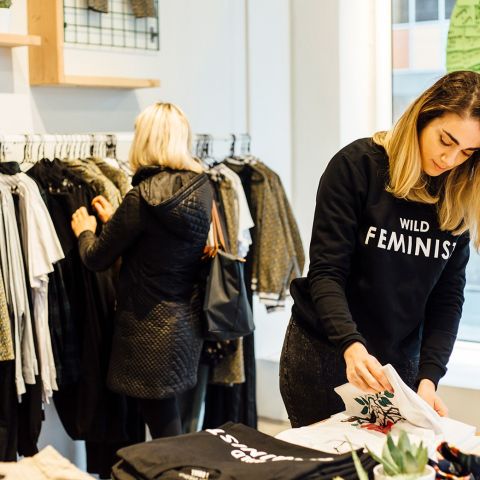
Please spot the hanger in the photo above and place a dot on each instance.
(3, 154)
(232, 145)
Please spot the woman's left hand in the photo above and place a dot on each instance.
(82, 221)
(426, 390)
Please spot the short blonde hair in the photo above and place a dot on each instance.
(458, 200)
(163, 137)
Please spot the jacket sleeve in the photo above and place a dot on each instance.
(118, 234)
(443, 313)
(340, 199)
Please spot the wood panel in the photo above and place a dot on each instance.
(45, 18)
(47, 67)
(109, 82)
(16, 40)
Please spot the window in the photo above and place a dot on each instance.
(426, 10)
(400, 11)
(419, 39)
(449, 7)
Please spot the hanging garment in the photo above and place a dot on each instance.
(231, 452)
(13, 269)
(280, 258)
(160, 231)
(228, 200)
(369, 417)
(42, 249)
(6, 339)
(45, 465)
(237, 403)
(117, 176)
(87, 409)
(140, 8)
(277, 253)
(91, 174)
(63, 330)
(230, 369)
(238, 216)
(98, 5)
(8, 412)
(143, 8)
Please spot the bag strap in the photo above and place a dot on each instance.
(218, 237)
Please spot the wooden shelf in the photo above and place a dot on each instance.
(101, 82)
(47, 66)
(15, 40)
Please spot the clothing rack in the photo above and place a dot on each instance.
(33, 147)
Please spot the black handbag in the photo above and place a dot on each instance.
(226, 307)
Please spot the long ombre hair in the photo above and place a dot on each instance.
(163, 137)
(458, 199)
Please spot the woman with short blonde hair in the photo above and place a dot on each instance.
(389, 248)
(163, 137)
(160, 231)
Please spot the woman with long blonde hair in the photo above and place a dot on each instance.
(389, 247)
(159, 230)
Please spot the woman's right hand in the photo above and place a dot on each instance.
(364, 370)
(103, 208)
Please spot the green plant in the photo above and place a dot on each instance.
(404, 460)
(361, 472)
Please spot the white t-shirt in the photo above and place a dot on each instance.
(404, 409)
(26, 365)
(42, 249)
(245, 220)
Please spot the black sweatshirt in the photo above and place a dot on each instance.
(381, 270)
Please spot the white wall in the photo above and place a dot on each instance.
(201, 66)
(270, 124)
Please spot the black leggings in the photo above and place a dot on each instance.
(310, 368)
(162, 416)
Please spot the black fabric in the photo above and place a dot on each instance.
(83, 328)
(61, 319)
(30, 409)
(233, 452)
(227, 311)
(310, 368)
(160, 231)
(455, 462)
(162, 416)
(238, 403)
(63, 329)
(381, 271)
(10, 168)
(8, 412)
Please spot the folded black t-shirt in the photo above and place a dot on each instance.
(231, 452)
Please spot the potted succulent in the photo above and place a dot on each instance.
(403, 461)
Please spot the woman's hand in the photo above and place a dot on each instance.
(426, 390)
(82, 221)
(103, 208)
(364, 370)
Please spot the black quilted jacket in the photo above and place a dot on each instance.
(159, 230)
